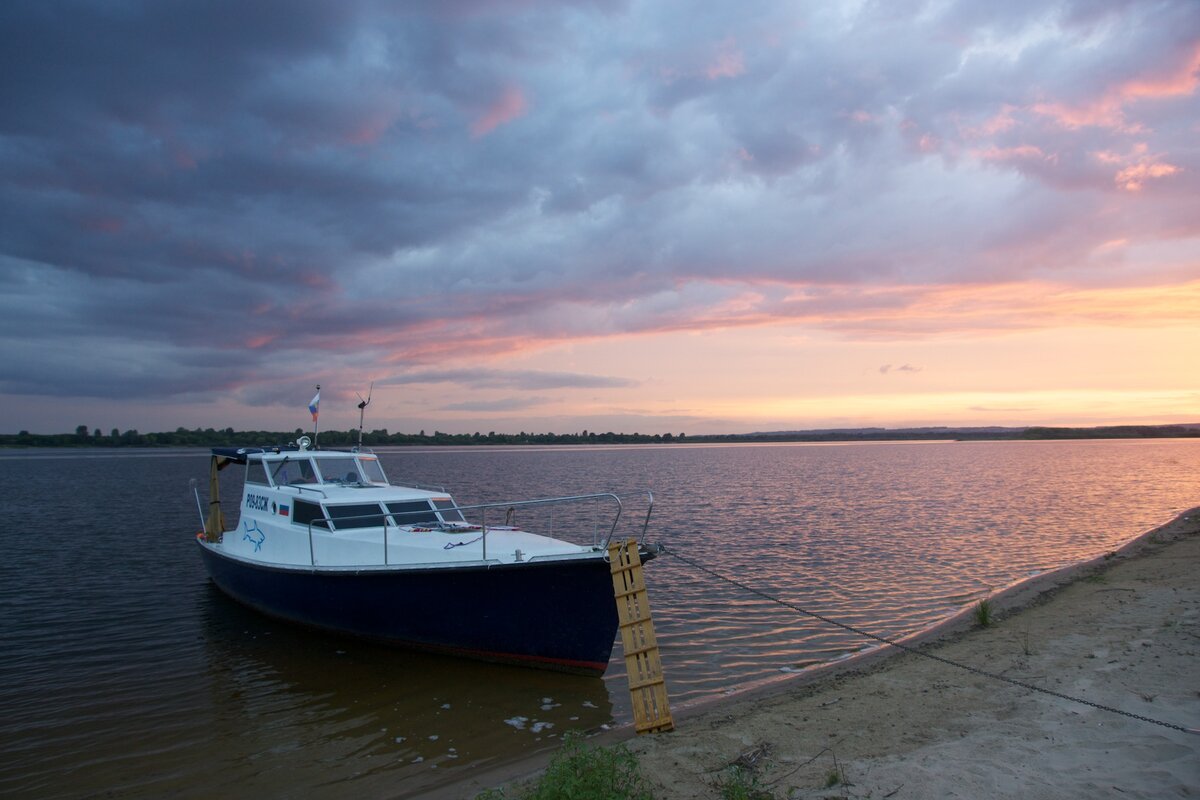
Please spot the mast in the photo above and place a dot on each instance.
(314, 407)
(362, 405)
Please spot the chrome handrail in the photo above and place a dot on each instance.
(559, 500)
(428, 487)
(304, 487)
(391, 518)
(547, 501)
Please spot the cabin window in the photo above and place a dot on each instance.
(256, 472)
(293, 471)
(373, 470)
(412, 512)
(446, 508)
(339, 470)
(304, 513)
(360, 515)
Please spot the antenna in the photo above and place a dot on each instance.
(314, 407)
(362, 407)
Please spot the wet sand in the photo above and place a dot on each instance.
(1122, 631)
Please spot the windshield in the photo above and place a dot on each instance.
(339, 470)
(373, 470)
(292, 471)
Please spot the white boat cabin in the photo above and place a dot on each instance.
(336, 509)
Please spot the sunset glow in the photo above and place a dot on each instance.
(556, 217)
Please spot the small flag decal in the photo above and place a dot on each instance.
(283, 510)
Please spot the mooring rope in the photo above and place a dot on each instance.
(976, 670)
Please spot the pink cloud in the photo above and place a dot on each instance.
(1134, 177)
(510, 105)
(368, 131)
(728, 64)
(1003, 121)
(258, 342)
(1136, 168)
(1108, 110)
(1180, 81)
(1024, 152)
(316, 280)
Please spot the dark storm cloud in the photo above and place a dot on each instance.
(88, 64)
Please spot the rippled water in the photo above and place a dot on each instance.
(125, 673)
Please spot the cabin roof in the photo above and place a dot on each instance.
(240, 455)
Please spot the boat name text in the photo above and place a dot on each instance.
(256, 502)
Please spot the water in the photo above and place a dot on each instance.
(124, 673)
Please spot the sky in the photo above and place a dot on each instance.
(599, 215)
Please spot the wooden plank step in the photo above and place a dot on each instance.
(634, 651)
(647, 687)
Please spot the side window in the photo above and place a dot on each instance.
(304, 513)
(256, 472)
(446, 507)
(359, 515)
(413, 512)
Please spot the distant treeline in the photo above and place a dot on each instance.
(961, 434)
(1115, 432)
(210, 437)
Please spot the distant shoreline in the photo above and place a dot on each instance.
(228, 437)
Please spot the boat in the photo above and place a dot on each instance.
(324, 539)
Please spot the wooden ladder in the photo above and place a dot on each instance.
(647, 689)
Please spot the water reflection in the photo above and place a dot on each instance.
(402, 719)
(126, 672)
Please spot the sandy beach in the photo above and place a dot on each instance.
(1121, 631)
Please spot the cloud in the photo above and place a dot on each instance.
(886, 368)
(501, 404)
(728, 62)
(201, 199)
(509, 379)
(1137, 169)
(509, 105)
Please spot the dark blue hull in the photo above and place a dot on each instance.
(555, 615)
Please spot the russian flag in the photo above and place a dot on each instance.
(283, 510)
(316, 401)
